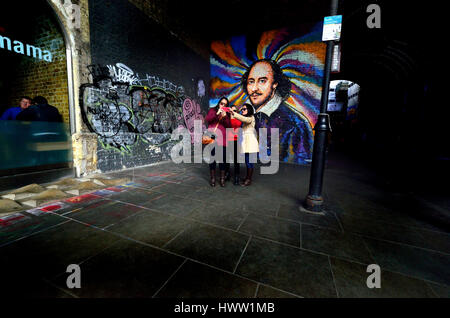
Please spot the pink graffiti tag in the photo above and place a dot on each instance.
(192, 112)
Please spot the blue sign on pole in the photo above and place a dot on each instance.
(332, 28)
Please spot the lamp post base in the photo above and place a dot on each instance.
(313, 203)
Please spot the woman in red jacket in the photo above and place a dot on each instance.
(232, 136)
(218, 119)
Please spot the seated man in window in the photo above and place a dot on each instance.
(11, 113)
(40, 111)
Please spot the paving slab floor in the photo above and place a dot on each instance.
(167, 233)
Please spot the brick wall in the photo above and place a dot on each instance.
(38, 77)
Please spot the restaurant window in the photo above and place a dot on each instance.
(33, 65)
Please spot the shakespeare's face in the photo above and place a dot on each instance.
(260, 84)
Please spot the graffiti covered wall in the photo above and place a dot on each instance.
(145, 83)
(291, 61)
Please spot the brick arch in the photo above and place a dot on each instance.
(78, 55)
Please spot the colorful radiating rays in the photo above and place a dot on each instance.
(300, 56)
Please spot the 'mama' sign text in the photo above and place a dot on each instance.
(18, 47)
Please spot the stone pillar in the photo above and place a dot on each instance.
(74, 18)
(84, 147)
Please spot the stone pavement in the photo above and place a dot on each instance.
(167, 233)
(35, 195)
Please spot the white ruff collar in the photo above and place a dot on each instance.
(271, 105)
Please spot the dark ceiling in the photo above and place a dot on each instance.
(400, 43)
(220, 19)
(398, 49)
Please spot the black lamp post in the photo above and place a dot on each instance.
(314, 200)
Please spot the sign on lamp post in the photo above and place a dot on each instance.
(332, 26)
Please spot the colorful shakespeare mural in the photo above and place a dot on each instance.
(280, 73)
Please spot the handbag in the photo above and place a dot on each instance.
(209, 137)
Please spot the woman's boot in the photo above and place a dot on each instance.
(212, 174)
(248, 179)
(236, 175)
(227, 176)
(222, 178)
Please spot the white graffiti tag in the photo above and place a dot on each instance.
(122, 73)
